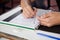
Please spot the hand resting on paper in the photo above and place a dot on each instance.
(50, 19)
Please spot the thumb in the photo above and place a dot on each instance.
(35, 10)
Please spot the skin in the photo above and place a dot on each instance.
(28, 12)
(50, 19)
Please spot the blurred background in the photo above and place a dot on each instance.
(6, 5)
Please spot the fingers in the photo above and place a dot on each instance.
(31, 11)
(24, 14)
(28, 12)
(47, 15)
(35, 9)
(45, 22)
(43, 19)
(50, 19)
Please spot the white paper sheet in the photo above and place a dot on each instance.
(30, 22)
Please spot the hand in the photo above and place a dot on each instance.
(50, 19)
(28, 12)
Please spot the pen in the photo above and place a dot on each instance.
(48, 36)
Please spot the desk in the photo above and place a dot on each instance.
(24, 33)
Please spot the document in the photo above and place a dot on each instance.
(30, 22)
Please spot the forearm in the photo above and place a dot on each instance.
(26, 2)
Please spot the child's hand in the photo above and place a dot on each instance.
(50, 19)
